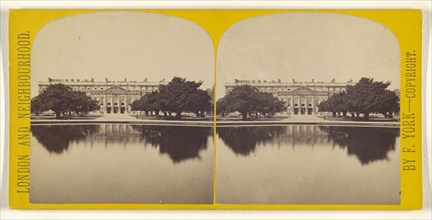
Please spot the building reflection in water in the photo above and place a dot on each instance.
(180, 143)
(368, 144)
(57, 138)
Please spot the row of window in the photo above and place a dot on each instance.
(317, 101)
(263, 89)
(302, 105)
(115, 104)
(75, 88)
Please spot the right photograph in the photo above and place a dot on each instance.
(307, 111)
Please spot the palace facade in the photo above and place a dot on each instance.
(301, 98)
(114, 97)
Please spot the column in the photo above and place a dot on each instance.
(112, 104)
(292, 104)
(126, 104)
(313, 105)
(104, 104)
(307, 105)
(118, 104)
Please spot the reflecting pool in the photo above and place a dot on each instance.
(121, 163)
(307, 164)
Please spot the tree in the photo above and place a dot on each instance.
(147, 103)
(37, 105)
(388, 103)
(243, 99)
(222, 107)
(56, 97)
(336, 104)
(248, 100)
(268, 104)
(178, 95)
(201, 104)
(61, 98)
(81, 103)
(365, 97)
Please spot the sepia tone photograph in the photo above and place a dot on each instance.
(122, 110)
(308, 111)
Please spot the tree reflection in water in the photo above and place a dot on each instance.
(57, 138)
(180, 143)
(243, 140)
(367, 143)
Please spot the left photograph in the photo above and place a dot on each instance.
(122, 110)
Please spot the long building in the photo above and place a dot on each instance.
(114, 97)
(301, 98)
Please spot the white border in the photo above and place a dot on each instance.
(425, 213)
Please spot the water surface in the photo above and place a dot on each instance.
(307, 164)
(120, 163)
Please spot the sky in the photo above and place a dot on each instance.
(119, 45)
(306, 46)
(137, 45)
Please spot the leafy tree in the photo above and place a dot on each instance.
(37, 105)
(61, 98)
(147, 103)
(248, 100)
(243, 99)
(81, 103)
(222, 107)
(201, 104)
(268, 104)
(56, 97)
(336, 104)
(388, 103)
(365, 97)
(178, 95)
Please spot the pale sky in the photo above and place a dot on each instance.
(120, 45)
(137, 45)
(306, 46)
